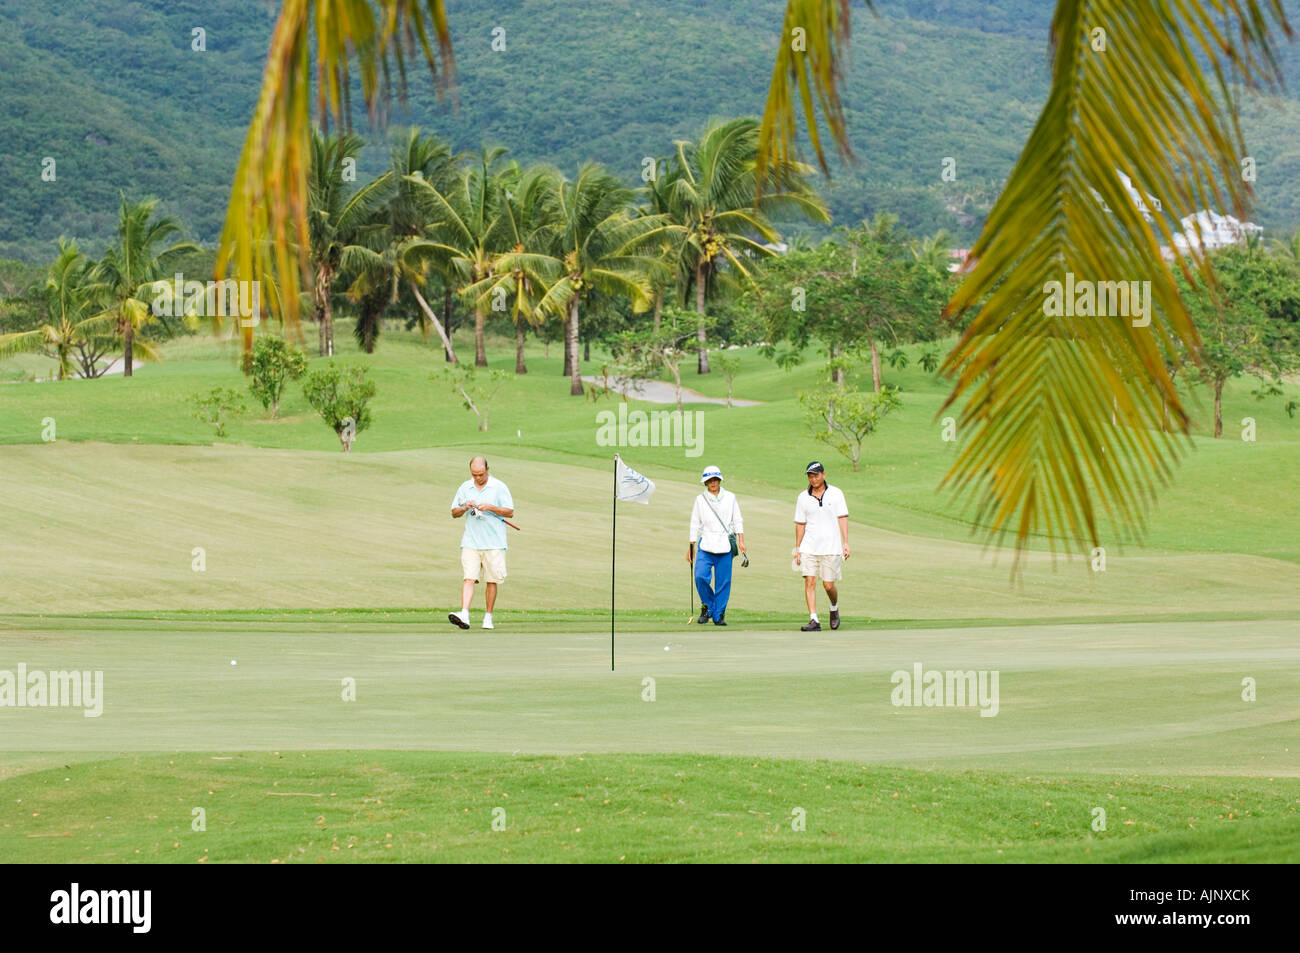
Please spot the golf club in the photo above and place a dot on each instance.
(501, 518)
(691, 577)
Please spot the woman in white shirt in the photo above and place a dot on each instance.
(715, 518)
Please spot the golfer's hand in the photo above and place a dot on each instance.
(846, 550)
(797, 560)
(690, 555)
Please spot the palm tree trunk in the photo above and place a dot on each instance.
(447, 304)
(703, 367)
(480, 353)
(433, 319)
(322, 296)
(328, 315)
(659, 308)
(520, 366)
(128, 337)
(875, 365)
(586, 349)
(571, 349)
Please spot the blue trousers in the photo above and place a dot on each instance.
(719, 566)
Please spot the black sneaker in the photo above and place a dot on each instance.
(835, 618)
(704, 615)
(811, 626)
(719, 621)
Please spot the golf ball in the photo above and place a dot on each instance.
(233, 662)
(665, 648)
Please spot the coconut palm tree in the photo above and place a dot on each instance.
(429, 158)
(131, 271)
(68, 297)
(338, 216)
(388, 256)
(1142, 89)
(713, 200)
(657, 200)
(933, 251)
(521, 274)
(471, 229)
(1288, 248)
(600, 247)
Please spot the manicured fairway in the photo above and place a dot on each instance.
(106, 527)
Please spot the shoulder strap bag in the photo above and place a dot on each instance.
(731, 537)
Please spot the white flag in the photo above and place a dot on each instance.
(630, 485)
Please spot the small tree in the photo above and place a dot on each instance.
(843, 417)
(275, 363)
(605, 389)
(929, 361)
(647, 351)
(853, 293)
(729, 364)
(476, 389)
(217, 406)
(1247, 327)
(342, 398)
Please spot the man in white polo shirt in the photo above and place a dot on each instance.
(821, 540)
(486, 504)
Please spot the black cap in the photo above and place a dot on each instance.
(815, 467)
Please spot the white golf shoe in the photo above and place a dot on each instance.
(487, 621)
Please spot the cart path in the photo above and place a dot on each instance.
(660, 392)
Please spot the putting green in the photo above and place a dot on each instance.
(1152, 698)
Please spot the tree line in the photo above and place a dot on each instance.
(440, 230)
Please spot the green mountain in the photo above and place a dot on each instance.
(118, 97)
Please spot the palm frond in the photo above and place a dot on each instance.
(265, 236)
(811, 71)
(1039, 387)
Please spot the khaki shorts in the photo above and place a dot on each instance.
(491, 561)
(826, 567)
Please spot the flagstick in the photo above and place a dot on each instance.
(613, 549)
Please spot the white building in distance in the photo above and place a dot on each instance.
(1207, 230)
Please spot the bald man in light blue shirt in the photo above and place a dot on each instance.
(486, 504)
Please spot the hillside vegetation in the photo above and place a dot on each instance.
(115, 94)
